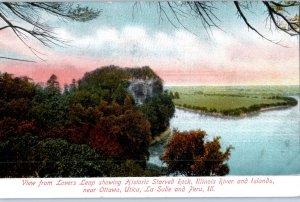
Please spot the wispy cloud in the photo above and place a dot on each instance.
(177, 56)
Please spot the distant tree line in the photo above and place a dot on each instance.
(174, 95)
(282, 101)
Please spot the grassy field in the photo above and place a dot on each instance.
(224, 99)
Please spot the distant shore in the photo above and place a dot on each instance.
(243, 115)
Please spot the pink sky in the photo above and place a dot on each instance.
(193, 76)
(179, 59)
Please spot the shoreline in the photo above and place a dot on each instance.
(161, 137)
(220, 115)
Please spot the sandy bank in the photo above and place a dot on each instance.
(163, 136)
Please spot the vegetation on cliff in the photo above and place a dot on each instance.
(91, 128)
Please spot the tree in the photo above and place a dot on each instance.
(176, 95)
(283, 15)
(188, 153)
(120, 133)
(52, 85)
(32, 156)
(49, 106)
(50, 133)
(171, 95)
(158, 110)
(24, 19)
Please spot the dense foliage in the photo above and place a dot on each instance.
(32, 156)
(50, 132)
(158, 110)
(188, 153)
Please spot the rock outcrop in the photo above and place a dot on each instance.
(142, 89)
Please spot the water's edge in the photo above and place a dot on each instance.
(267, 143)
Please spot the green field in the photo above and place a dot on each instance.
(233, 100)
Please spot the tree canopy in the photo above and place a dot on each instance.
(94, 122)
(189, 153)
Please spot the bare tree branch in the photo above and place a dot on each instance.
(175, 14)
(22, 60)
(272, 12)
(237, 5)
(161, 8)
(20, 35)
(32, 25)
(205, 12)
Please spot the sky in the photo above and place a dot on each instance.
(133, 36)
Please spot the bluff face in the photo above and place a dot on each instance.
(141, 89)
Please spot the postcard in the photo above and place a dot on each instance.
(149, 99)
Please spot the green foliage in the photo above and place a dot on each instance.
(92, 128)
(83, 14)
(50, 112)
(15, 97)
(15, 88)
(174, 95)
(34, 156)
(188, 153)
(52, 86)
(131, 168)
(110, 83)
(142, 73)
(171, 95)
(101, 85)
(158, 110)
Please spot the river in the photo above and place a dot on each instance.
(264, 144)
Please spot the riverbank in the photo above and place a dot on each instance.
(256, 140)
(239, 116)
(163, 136)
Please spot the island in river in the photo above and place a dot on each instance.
(264, 144)
(233, 101)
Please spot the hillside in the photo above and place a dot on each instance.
(93, 125)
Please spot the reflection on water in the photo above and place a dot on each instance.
(265, 144)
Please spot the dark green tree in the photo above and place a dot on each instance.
(50, 106)
(158, 110)
(171, 95)
(52, 86)
(31, 156)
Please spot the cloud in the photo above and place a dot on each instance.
(136, 43)
(178, 56)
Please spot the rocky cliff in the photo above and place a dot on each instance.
(142, 89)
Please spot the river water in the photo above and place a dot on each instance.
(264, 144)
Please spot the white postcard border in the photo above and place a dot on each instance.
(151, 187)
